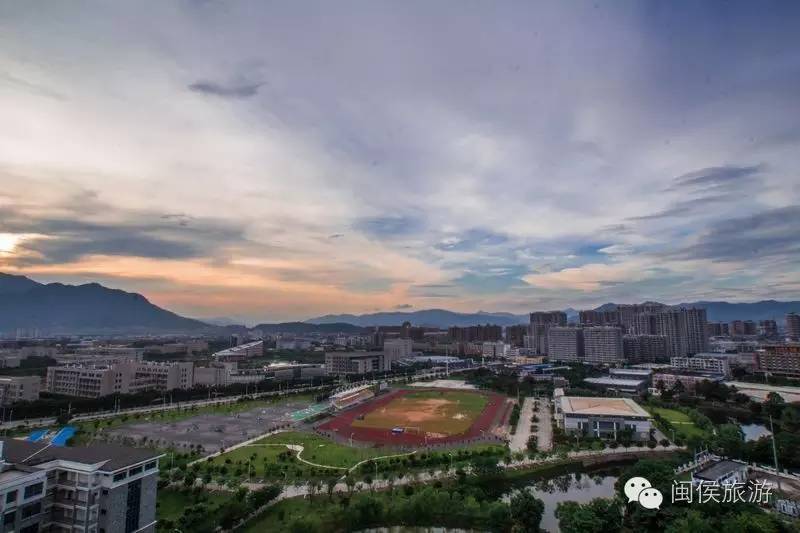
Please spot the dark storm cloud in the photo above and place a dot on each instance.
(126, 233)
(768, 234)
(234, 91)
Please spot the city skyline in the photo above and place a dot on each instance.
(281, 162)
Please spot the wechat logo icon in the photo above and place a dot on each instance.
(638, 489)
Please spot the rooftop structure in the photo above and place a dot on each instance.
(602, 417)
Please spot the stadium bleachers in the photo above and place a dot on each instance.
(347, 399)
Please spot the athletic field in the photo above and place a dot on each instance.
(439, 413)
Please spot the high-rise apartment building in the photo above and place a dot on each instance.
(592, 317)
(515, 335)
(793, 326)
(645, 348)
(479, 333)
(99, 488)
(565, 344)
(540, 323)
(602, 345)
(768, 328)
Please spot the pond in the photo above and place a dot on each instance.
(754, 431)
(573, 486)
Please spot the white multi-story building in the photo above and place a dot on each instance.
(396, 349)
(602, 417)
(19, 389)
(706, 362)
(100, 488)
(128, 377)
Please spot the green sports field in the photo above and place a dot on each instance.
(442, 412)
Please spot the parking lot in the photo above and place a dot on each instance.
(207, 432)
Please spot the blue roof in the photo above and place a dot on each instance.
(61, 438)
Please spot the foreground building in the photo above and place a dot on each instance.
(604, 418)
(89, 489)
(242, 352)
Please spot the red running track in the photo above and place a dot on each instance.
(497, 410)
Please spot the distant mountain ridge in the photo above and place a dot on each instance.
(437, 318)
(56, 308)
(727, 311)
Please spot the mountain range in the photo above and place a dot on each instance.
(56, 308)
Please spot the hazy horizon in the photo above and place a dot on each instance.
(281, 162)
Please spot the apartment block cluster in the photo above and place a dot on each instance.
(92, 489)
(629, 333)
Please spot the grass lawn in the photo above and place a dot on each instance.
(441, 412)
(681, 422)
(268, 458)
(171, 502)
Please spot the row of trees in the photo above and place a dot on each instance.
(617, 515)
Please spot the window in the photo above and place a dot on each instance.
(120, 476)
(134, 471)
(151, 465)
(31, 509)
(33, 528)
(8, 518)
(33, 490)
(11, 497)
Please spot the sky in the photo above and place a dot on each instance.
(271, 161)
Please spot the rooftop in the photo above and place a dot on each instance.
(644, 372)
(601, 406)
(619, 382)
(718, 469)
(110, 456)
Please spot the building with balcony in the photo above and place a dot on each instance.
(100, 488)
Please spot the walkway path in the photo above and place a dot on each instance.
(545, 440)
(519, 440)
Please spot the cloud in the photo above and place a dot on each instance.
(234, 91)
(471, 240)
(724, 176)
(756, 237)
(389, 227)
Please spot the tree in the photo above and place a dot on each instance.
(790, 419)
(729, 440)
(774, 405)
(330, 487)
(526, 511)
(601, 515)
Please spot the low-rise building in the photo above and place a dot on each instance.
(605, 418)
(666, 380)
(100, 488)
(19, 389)
(723, 472)
(704, 362)
(621, 386)
(241, 352)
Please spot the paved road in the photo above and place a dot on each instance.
(545, 434)
(519, 440)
